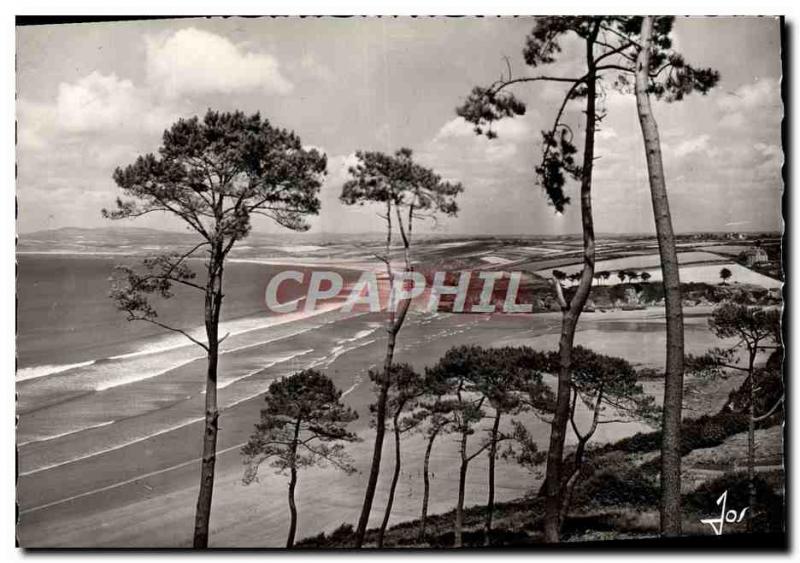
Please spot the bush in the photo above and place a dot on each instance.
(340, 537)
(770, 389)
(312, 542)
(704, 432)
(617, 487)
(710, 431)
(342, 533)
(640, 442)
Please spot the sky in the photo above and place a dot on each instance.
(94, 96)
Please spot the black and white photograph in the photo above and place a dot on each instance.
(400, 283)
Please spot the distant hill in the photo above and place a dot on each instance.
(100, 232)
(532, 252)
(107, 239)
(136, 240)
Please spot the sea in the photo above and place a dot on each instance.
(72, 341)
(109, 411)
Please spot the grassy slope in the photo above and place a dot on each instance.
(618, 496)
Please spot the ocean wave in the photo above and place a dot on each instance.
(300, 248)
(170, 343)
(337, 351)
(138, 370)
(63, 434)
(267, 341)
(221, 385)
(113, 448)
(35, 372)
(358, 381)
(126, 481)
(138, 376)
(359, 335)
(229, 382)
(235, 327)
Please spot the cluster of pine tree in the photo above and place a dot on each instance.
(217, 173)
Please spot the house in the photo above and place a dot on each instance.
(756, 255)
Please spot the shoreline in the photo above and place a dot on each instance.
(162, 480)
(156, 473)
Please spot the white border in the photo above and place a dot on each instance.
(362, 7)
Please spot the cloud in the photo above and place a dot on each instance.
(769, 168)
(457, 143)
(606, 133)
(338, 169)
(733, 120)
(768, 150)
(33, 122)
(95, 102)
(192, 61)
(69, 145)
(506, 129)
(336, 216)
(99, 102)
(313, 68)
(110, 109)
(760, 94)
(695, 145)
(721, 152)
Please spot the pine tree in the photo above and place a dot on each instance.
(611, 45)
(406, 387)
(215, 175)
(408, 192)
(304, 424)
(755, 329)
(653, 58)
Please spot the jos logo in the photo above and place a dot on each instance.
(731, 516)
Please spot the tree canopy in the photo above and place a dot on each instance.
(218, 172)
(615, 44)
(303, 424)
(402, 183)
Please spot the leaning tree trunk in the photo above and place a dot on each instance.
(292, 508)
(395, 323)
(377, 452)
(572, 481)
(462, 485)
(492, 460)
(569, 322)
(380, 428)
(293, 486)
(395, 478)
(673, 384)
(751, 440)
(426, 483)
(583, 439)
(213, 305)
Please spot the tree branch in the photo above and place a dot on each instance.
(132, 317)
(769, 412)
(559, 294)
(500, 85)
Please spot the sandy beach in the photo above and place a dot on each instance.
(132, 481)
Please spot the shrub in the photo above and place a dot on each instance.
(616, 488)
(312, 542)
(704, 432)
(710, 431)
(342, 533)
(340, 537)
